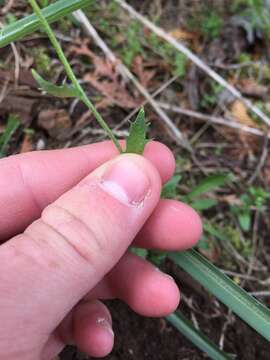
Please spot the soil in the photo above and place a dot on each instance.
(146, 339)
(142, 338)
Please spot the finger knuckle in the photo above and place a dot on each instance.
(81, 238)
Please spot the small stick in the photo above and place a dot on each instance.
(194, 58)
(261, 162)
(214, 119)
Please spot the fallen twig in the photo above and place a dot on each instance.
(261, 161)
(153, 95)
(214, 119)
(194, 58)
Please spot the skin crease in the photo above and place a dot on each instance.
(55, 269)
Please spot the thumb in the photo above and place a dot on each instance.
(77, 240)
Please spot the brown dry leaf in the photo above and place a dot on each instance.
(181, 34)
(144, 76)
(239, 112)
(115, 94)
(251, 88)
(27, 144)
(106, 80)
(57, 122)
(231, 199)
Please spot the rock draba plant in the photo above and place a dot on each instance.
(244, 305)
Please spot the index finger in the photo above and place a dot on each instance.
(29, 182)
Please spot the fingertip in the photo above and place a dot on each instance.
(172, 226)
(161, 293)
(162, 158)
(146, 289)
(93, 332)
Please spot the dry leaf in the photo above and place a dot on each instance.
(252, 88)
(180, 34)
(239, 112)
(144, 76)
(106, 80)
(26, 144)
(57, 122)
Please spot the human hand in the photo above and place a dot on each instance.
(64, 237)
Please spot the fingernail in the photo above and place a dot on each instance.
(164, 274)
(125, 181)
(104, 323)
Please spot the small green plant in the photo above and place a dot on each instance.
(211, 24)
(210, 97)
(42, 60)
(133, 46)
(210, 183)
(208, 22)
(177, 60)
(254, 199)
(253, 16)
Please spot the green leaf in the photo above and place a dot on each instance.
(185, 327)
(203, 243)
(169, 190)
(244, 219)
(203, 204)
(63, 91)
(139, 252)
(12, 125)
(30, 24)
(208, 184)
(207, 227)
(136, 139)
(157, 257)
(237, 299)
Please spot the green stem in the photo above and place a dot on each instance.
(71, 75)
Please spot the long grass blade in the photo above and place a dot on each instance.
(181, 323)
(238, 300)
(30, 24)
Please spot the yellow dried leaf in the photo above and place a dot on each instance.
(240, 113)
(183, 34)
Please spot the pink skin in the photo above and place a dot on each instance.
(56, 271)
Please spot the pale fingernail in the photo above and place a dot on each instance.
(164, 274)
(105, 324)
(126, 181)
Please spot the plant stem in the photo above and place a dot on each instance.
(83, 97)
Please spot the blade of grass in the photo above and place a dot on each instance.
(181, 323)
(30, 24)
(12, 125)
(238, 300)
(82, 95)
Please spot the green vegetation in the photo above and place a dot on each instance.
(12, 125)
(253, 200)
(211, 24)
(42, 60)
(256, 13)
